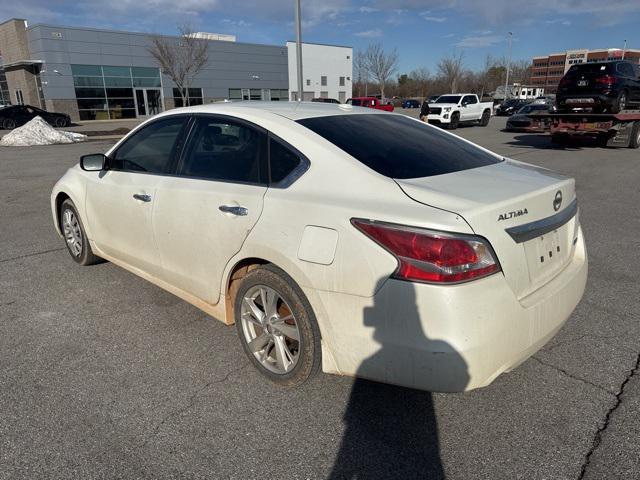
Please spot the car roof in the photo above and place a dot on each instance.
(291, 110)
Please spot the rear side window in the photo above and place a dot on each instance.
(282, 160)
(399, 147)
(225, 150)
(150, 149)
(625, 69)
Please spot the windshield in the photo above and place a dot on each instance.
(448, 99)
(397, 146)
(532, 108)
(589, 68)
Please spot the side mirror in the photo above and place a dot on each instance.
(94, 162)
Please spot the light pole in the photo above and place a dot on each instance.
(299, 48)
(506, 80)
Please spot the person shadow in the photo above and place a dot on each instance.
(391, 431)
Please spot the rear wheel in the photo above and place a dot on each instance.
(9, 124)
(277, 327)
(60, 122)
(455, 121)
(74, 235)
(486, 116)
(620, 103)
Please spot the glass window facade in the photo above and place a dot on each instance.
(107, 92)
(194, 97)
(273, 94)
(5, 98)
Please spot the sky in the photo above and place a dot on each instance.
(422, 31)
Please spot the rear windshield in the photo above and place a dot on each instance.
(399, 147)
(590, 68)
(448, 99)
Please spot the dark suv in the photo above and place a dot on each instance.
(603, 86)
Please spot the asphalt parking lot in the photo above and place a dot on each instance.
(103, 375)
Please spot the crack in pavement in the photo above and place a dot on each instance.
(11, 259)
(190, 403)
(570, 375)
(597, 439)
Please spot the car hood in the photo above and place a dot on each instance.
(519, 117)
(442, 105)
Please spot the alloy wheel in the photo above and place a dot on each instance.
(270, 329)
(72, 232)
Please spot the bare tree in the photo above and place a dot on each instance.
(360, 70)
(380, 64)
(180, 59)
(420, 78)
(451, 69)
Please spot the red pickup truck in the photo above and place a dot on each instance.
(370, 102)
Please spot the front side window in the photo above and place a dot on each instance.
(399, 147)
(225, 150)
(151, 149)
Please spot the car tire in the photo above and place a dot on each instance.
(287, 352)
(74, 235)
(9, 124)
(634, 141)
(486, 116)
(60, 122)
(455, 121)
(621, 102)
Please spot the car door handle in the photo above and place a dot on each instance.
(143, 197)
(234, 210)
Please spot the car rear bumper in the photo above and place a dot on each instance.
(586, 99)
(446, 338)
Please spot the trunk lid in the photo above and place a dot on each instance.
(517, 208)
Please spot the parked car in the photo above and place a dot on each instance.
(15, 115)
(410, 103)
(325, 100)
(602, 86)
(453, 109)
(521, 121)
(371, 102)
(509, 107)
(412, 253)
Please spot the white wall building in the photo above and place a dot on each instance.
(326, 71)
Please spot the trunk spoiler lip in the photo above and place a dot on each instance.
(529, 231)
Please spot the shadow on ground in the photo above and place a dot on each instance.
(391, 432)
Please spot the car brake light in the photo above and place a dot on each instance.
(606, 80)
(432, 256)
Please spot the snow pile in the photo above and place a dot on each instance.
(39, 132)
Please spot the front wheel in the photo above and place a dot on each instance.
(9, 124)
(277, 327)
(75, 236)
(455, 120)
(634, 141)
(60, 122)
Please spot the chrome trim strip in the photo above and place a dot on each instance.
(528, 231)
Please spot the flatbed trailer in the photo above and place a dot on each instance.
(609, 129)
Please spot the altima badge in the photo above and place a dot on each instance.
(515, 213)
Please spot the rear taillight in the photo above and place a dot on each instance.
(432, 256)
(607, 80)
(564, 82)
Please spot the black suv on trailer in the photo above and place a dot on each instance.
(603, 86)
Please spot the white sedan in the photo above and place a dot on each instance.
(361, 242)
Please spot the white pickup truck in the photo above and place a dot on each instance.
(453, 109)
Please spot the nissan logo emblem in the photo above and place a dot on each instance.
(557, 201)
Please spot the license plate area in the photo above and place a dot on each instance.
(582, 83)
(549, 253)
